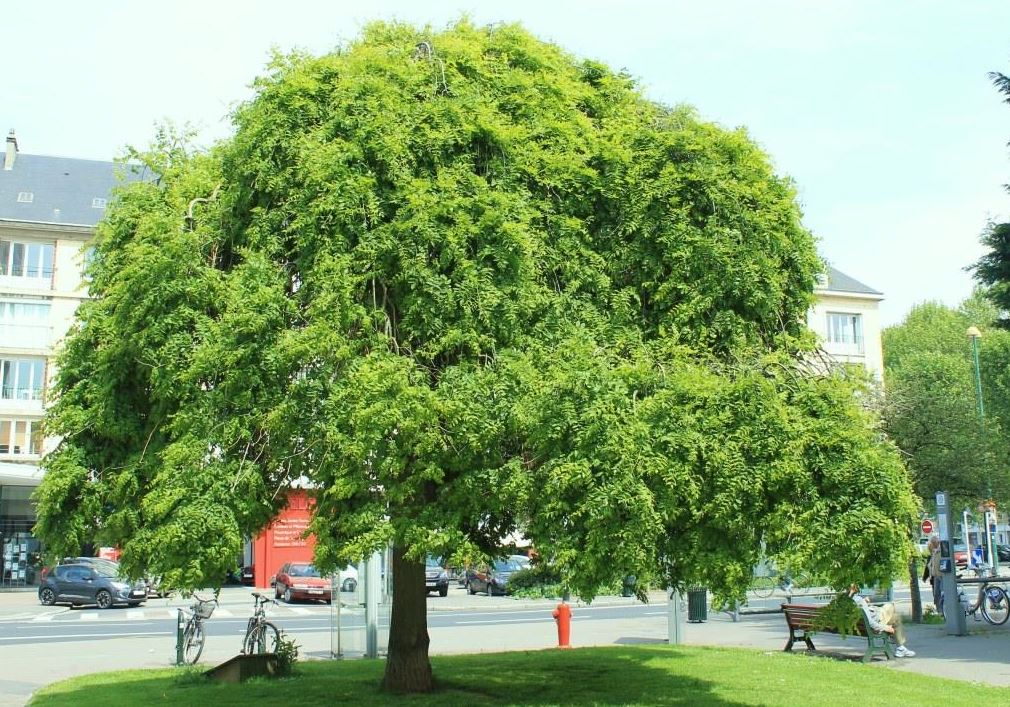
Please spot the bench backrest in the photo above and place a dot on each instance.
(805, 617)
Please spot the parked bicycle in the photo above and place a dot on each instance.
(763, 586)
(261, 636)
(193, 636)
(992, 601)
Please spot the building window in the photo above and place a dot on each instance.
(20, 437)
(28, 260)
(25, 197)
(25, 325)
(845, 332)
(22, 378)
(98, 203)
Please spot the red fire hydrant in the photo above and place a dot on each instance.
(563, 616)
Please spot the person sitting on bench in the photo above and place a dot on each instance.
(883, 618)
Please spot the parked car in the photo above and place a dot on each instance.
(1003, 553)
(436, 577)
(348, 579)
(522, 560)
(90, 584)
(301, 580)
(960, 553)
(493, 579)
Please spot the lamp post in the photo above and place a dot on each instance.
(974, 334)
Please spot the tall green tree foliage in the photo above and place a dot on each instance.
(465, 284)
(993, 269)
(931, 405)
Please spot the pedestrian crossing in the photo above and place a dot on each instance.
(162, 613)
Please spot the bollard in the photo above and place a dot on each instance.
(563, 617)
(180, 626)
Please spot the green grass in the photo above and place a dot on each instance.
(637, 675)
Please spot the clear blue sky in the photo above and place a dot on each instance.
(880, 111)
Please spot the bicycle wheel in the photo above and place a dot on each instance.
(271, 637)
(192, 642)
(763, 586)
(995, 606)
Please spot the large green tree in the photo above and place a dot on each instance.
(462, 284)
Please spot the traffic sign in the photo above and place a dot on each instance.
(927, 527)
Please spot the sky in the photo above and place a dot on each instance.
(881, 112)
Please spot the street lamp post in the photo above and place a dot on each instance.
(974, 334)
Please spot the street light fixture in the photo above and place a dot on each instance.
(974, 334)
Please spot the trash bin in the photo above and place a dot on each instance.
(697, 604)
(628, 586)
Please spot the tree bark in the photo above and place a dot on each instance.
(407, 666)
(913, 588)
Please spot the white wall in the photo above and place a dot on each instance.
(868, 306)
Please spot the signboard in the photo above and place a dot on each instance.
(289, 532)
(927, 527)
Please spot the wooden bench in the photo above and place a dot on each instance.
(803, 622)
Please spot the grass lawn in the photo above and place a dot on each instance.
(640, 675)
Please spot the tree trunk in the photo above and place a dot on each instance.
(913, 588)
(407, 665)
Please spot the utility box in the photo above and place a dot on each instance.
(697, 604)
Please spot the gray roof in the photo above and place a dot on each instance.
(63, 189)
(840, 282)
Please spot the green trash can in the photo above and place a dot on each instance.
(697, 604)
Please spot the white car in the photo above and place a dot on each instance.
(348, 579)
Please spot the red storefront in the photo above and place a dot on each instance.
(284, 540)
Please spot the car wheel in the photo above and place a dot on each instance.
(443, 591)
(349, 585)
(469, 589)
(47, 596)
(288, 598)
(103, 599)
(277, 592)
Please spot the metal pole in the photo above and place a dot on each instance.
(180, 626)
(675, 617)
(992, 557)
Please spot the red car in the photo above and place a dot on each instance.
(301, 580)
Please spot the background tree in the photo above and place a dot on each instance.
(465, 284)
(993, 269)
(931, 406)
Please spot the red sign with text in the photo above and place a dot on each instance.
(927, 527)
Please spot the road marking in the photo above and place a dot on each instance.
(84, 635)
(653, 613)
(89, 616)
(223, 613)
(134, 614)
(44, 617)
(300, 610)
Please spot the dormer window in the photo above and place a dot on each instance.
(98, 203)
(25, 197)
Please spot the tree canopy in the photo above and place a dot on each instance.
(931, 405)
(461, 284)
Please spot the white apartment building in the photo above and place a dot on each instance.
(846, 318)
(49, 207)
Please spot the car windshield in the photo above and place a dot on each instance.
(433, 562)
(106, 571)
(506, 566)
(303, 571)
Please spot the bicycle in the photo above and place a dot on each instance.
(991, 601)
(763, 586)
(260, 634)
(193, 636)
